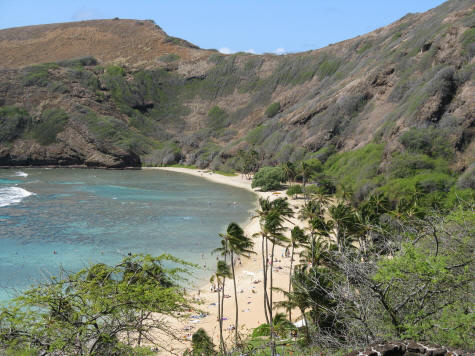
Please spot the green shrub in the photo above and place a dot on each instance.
(408, 164)
(13, 122)
(51, 123)
(268, 178)
(202, 343)
(38, 75)
(261, 330)
(168, 58)
(115, 71)
(417, 186)
(294, 190)
(217, 118)
(468, 41)
(78, 62)
(273, 109)
(431, 141)
(354, 168)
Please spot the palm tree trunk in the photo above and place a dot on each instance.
(290, 279)
(271, 319)
(307, 333)
(264, 281)
(220, 320)
(235, 300)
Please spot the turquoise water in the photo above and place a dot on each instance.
(53, 218)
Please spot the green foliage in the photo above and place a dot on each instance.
(261, 330)
(294, 190)
(111, 130)
(78, 62)
(90, 312)
(406, 165)
(354, 168)
(115, 71)
(444, 274)
(168, 58)
(268, 178)
(431, 141)
(419, 186)
(328, 67)
(37, 75)
(364, 47)
(52, 122)
(468, 41)
(272, 110)
(202, 343)
(217, 118)
(13, 122)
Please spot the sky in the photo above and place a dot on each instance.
(256, 26)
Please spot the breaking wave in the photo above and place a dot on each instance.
(13, 195)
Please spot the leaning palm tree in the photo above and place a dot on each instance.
(238, 244)
(222, 271)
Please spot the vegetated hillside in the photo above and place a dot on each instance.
(400, 95)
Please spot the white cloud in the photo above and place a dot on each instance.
(87, 14)
(225, 50)
(250, 50)
(280, 51)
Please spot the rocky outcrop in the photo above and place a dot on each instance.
(407, 348)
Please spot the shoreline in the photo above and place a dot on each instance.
(248, 275)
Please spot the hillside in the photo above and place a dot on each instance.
(118, 93)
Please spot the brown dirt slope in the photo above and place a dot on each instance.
(130, 42)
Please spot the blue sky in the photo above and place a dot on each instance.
(229, 25)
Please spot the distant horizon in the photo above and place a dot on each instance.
(264, 27)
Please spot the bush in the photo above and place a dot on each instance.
(294, 190)
(261, 330)
(202, 343)
(38, 75)
(406, 164)
(168, 58)
(52, 122)
(78, 62)
(272, 110)
(468, 41)
(217, 118)
(13, 121)
(268, 178)
(431, 141)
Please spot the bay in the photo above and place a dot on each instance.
(69, 218)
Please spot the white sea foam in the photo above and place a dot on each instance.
(21, 174)
(13, 195)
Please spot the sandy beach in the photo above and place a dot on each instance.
(249, 276)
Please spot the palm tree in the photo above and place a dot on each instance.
(344, 223)
(272, 215)
(297, 237)
(288, 171)
(238, 244)
(222, 271)
(305, 171)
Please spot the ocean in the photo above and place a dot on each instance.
(53, 219)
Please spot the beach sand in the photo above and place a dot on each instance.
(249, 277)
